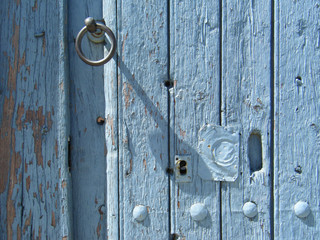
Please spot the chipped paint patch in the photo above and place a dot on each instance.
(35, 6)
(28, 182)
(27, 222)
(39, 123)
(20, 113)
(145, 164)
(40, 191)
(56, 149)
(53, 220)
(63, 184)
(110, 123)
(44, 45)
(127, 89)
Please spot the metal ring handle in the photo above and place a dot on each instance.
(91, 26)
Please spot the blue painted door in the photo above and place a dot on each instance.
(204, 124)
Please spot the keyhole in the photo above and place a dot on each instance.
(255, 152)
(183, 167)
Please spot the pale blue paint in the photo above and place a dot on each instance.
(231, 64)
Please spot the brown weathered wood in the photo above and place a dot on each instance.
(34, 178)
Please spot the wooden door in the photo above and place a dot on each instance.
(204, 124)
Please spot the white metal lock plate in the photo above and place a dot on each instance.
(183, 168)
(219, 153)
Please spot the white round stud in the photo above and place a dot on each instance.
(301, 209)
(250, 209)
(140, 213)
(198, 212)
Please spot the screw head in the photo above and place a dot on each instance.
(250, 209)
(198, 212)
(301, 209)
(140, 213)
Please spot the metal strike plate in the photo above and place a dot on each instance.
(219, 153)
(183, 168)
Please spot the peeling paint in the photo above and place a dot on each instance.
(110, 123)
(127, 89)
(38, 121)
(35, 6)
(56, 149)
(20, 113)
(145, 164)
(28, 181)
(98, 229)
(40, 191)
(63, 184)
(27, 222)
(53, 220)
(7, 133)
(123, 44)
(44, 45)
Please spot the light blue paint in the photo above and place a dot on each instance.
(231, 64)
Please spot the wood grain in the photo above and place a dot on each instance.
(111, 130)
(143, 126)
(194, 61)
(297, 150)
(246, 103)
(88, 151)
(34, 121)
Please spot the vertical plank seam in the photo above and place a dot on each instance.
(220, 106)
(168, 115)
(118, 75)
(276, 121)
(64, 123)
(118, 119)
(272, 115)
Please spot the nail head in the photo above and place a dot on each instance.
(250, 209)
(302, 209)
(140, 213)
(198, 212)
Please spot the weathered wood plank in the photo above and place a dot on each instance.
(34, 174)
(194, 61)
(143, 127)
(88, 152)
(246, 103)
(111, 133)
(297, 149)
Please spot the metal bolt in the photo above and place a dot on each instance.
(198, 212)
(100, 120)
(250, 209)
(91, 24)
(140, 213)
(301, 209)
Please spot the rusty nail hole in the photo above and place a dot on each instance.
(169, 170)
(100, 120)
(174, 236)
(168, 83)
(298, 169)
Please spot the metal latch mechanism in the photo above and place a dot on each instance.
(183, 168)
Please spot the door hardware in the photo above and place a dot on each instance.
(92, 26)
